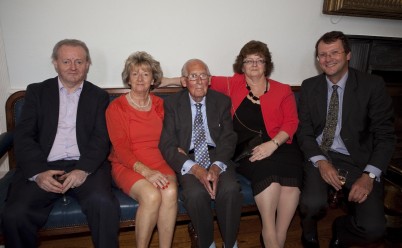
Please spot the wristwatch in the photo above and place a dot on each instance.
(371, 175)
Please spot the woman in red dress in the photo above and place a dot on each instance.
(134, 122)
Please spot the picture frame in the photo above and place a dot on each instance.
(386, 9)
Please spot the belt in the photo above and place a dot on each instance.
(209, 148)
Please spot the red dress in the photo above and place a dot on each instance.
(135, 137)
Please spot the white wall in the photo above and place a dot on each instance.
(172, 31)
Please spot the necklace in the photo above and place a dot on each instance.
(137, 105)
(255, 99)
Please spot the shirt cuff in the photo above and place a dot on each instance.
(33, 179)
(317, 158)
(377, 172)
(221, 165)
(185, 169)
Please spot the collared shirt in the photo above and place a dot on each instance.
(338, 145)
(190, 163)
(65, 145)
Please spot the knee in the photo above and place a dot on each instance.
(231, 189)
(311, 206)
(196, 197)
(373, 231)
(170, 193)
(151, 199)
(14, 214)
(102, 200)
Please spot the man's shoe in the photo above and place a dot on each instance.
(310, 243)
(335, 243)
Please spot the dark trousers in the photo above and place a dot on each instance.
(28, 207)
(364, 223)
(228, 201)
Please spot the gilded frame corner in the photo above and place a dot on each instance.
(386, 9)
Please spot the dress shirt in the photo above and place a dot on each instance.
(65, 145)
(190, 163)
(338, 145)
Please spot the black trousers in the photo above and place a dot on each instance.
(28, 207)
(227, 202)
(364, 223)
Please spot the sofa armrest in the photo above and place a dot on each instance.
(6, 142)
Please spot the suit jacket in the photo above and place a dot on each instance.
(177, 128)
(367, 118)
(36, 130)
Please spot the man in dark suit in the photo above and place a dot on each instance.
(362, 142)
(202, 179)
(62, 134)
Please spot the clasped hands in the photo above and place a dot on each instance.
(360, 189)
(209, 178)
(47, 180)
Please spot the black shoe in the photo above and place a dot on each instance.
(310, 243)
(335, 243)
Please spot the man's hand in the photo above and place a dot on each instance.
(48, 183)
(213, 177)
(329, 174)
(202, 175)
(361, 189)
(73, 179)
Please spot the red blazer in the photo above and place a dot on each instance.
(278, 105)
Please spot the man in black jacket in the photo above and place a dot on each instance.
(62, 133)
(346, 122)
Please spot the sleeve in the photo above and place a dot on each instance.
(97, 145)
(305, 133)
(220, 84)
(381, 117)
(28, 152)
(289, 110)
(118, 128)
(169, 142)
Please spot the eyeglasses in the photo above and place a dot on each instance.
(253, 62)
(194, 77)
(332, 54)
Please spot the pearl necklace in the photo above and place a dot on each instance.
(254, 98)
(137, 105)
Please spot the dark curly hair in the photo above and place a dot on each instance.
(331, 37)
(254, 47)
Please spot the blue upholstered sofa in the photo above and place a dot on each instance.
(69, 219)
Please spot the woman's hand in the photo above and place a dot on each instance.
(263, 151)
(156, 178)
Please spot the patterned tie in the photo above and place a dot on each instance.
(332, 119)
(200, 140)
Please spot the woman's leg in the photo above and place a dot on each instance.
(149, 199)
(267, 203)
(288, 201)
(167, 213)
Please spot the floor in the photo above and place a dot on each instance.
(248, 235)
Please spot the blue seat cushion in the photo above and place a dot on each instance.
(71, 214)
